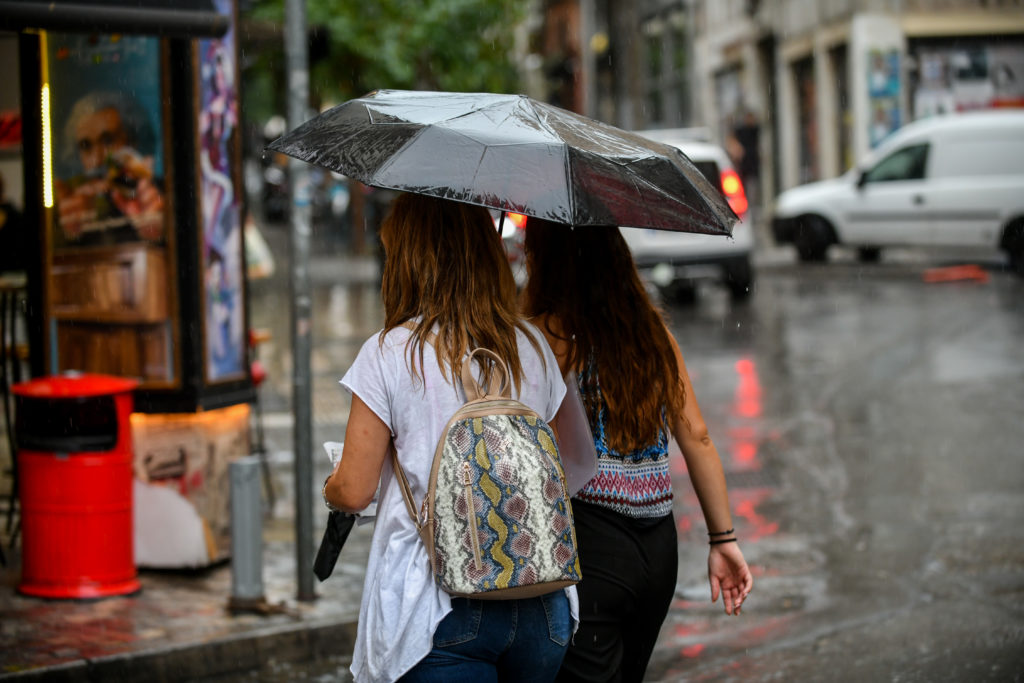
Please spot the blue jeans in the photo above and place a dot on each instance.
(481, 641)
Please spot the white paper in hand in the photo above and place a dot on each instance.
(334, 450)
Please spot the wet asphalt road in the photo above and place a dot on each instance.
(872, 430)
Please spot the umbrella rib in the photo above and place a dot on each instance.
(540, 118)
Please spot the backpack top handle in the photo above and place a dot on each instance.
(498, 387)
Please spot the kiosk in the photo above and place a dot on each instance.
(133, 202)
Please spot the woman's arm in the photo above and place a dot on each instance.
(352, 484)
(560, 347)
(727, 570)
(701, 456)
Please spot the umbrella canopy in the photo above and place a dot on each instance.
(511, 153)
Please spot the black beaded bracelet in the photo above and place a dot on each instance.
(719, 541)
(721, 533)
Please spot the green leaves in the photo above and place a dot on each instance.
(455, 45)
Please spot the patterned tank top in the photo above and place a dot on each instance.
(636, 484)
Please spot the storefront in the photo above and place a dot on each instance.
(129, 163)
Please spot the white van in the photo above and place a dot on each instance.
(948, 181)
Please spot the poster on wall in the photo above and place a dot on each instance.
(106, 134)
(222, 260)
(957, 79)
(883, 93)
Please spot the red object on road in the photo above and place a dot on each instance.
(969, 271)
(75, 485)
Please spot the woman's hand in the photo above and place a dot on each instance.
(729, 574)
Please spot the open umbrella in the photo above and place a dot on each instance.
(511, 153)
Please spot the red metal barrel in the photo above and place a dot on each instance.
(75, 484)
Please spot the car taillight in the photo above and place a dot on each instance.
(518, 219)
(732, 188)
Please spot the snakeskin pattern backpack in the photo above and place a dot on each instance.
(496, 519)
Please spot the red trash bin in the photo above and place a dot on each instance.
(75, 484)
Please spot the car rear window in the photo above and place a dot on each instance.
(709, 169)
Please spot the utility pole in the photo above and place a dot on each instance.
(297, 60)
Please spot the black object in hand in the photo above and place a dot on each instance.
(339, 525)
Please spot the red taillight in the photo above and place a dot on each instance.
(732, 188)
(518, 219)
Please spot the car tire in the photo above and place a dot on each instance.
(738, 276)
(812, 240)
(869, 254)
(1017, 261)
(1013, 243)
(680, 292)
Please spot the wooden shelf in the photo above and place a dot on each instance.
(111, 311)
(119, 284)
(72, 314)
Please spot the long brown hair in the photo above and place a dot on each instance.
(444, 263)
(585, 279)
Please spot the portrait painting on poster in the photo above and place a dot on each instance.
(106, 129)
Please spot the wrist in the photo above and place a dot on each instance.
(721, 537)
(323, 493)
(720, 541)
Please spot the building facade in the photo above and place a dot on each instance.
(826, 80)
(810, 85)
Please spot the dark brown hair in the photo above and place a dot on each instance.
(585, 279)
(444, 262)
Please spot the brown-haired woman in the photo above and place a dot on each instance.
(447, 288)
(586, 296)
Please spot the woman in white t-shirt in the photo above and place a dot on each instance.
(445, 272)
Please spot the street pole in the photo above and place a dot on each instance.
(297, 60)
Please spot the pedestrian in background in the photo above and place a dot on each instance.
(445, 272)
(585, 294)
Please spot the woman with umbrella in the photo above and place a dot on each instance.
(445, 275)
(636, 392)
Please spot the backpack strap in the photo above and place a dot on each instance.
(499, 384)
(429, 336)
(403, 483)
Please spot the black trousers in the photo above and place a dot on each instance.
(629, 577)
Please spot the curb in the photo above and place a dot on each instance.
(236, 654)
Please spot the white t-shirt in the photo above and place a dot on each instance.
(401, 606)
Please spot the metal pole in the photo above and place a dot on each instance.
(246, 533)
(297, 58)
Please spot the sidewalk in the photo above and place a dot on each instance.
(178, 627)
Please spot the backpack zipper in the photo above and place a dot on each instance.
(467, 482)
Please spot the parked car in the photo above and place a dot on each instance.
(675, 261)
(948, 181)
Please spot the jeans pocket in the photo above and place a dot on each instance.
(461, 625)
(556, 609)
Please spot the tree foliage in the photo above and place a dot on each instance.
(454, 45)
